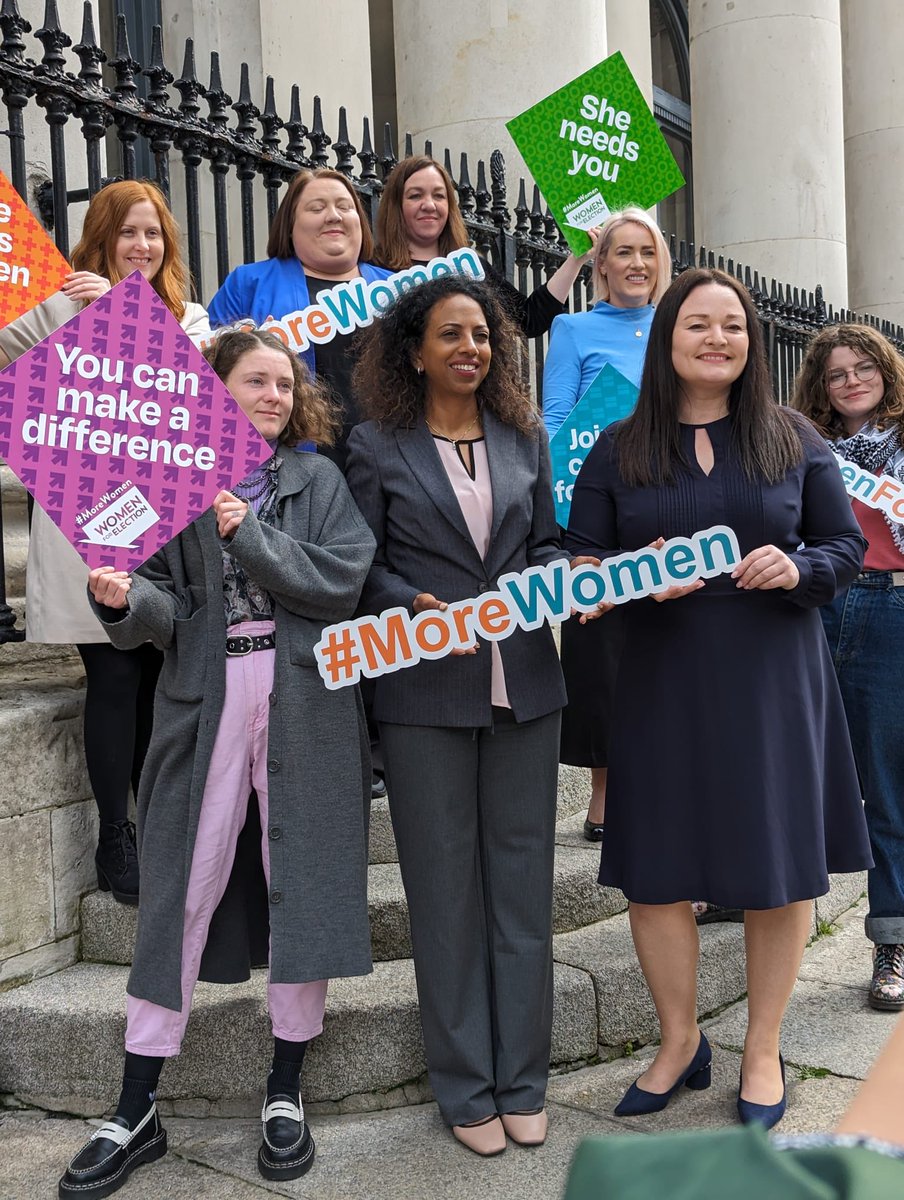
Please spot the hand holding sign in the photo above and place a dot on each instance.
(110, 587)
(766, 568)
(230, 512)
(426, 602)
(84, 286)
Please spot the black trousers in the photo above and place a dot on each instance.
(119, 715)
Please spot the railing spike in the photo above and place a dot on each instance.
(388, 159)
(366, 156)
(318, 137)
(54, 41)
(90, 55)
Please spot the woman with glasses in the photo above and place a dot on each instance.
(851, 386)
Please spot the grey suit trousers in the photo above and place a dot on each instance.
(474, 817)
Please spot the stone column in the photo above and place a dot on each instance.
(768, 138)
(457, 85)
(628, 30)
(872, 48)
(330, 59)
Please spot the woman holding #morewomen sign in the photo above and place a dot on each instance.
(851, 386)
(453, 476)
(731, 774)
(419, 219)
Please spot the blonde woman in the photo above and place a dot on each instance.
(631, 271)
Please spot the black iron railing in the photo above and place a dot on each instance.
(250, 153)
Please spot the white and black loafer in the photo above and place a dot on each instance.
(110, 1155)
(287, 1151)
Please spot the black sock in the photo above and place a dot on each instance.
(139, 1087)
(285, 1072)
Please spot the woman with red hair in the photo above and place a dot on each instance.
(127, 228)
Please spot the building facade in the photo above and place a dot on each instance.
(791, 156)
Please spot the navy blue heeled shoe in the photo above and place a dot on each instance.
(698, 1076)
(766, 1114)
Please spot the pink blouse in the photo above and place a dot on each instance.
(475, 497)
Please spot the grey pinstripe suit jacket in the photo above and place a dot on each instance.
(423, 545)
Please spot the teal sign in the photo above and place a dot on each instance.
(610, 397)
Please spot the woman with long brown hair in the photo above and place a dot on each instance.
(730, 774)
(419, 219)
(127, 228)
(851, 386)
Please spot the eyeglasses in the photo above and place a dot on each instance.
(863, 371)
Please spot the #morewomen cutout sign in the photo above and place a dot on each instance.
(374, 646)
(119, 428)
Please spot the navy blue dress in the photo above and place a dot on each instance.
(730, 772)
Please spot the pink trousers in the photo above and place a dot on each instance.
(238, 764)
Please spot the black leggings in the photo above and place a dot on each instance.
(119, 713)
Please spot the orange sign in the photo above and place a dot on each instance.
(31, 267)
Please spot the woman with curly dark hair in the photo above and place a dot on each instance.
(452, 474)
(851, 386)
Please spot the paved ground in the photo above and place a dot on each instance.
(831, 1037)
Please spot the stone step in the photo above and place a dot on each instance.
(61, 1042)
(108, 928)
(61, 1036)
(22, 662)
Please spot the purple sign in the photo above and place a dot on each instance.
(120, 430)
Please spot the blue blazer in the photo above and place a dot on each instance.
(272, 288)
(423, 545)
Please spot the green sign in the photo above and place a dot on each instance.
(594, 146)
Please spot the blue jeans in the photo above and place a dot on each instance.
(865, 630)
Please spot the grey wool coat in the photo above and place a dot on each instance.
(313, 563)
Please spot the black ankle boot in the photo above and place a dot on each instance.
(116, 860)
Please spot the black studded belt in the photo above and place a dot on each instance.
(242, 644)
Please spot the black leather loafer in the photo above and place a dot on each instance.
(287, 1151)
(110, 1155)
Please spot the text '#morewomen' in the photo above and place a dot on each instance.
(374, 646)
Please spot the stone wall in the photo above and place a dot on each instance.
(48, 823)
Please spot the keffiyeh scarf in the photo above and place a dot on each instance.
(881, 452)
